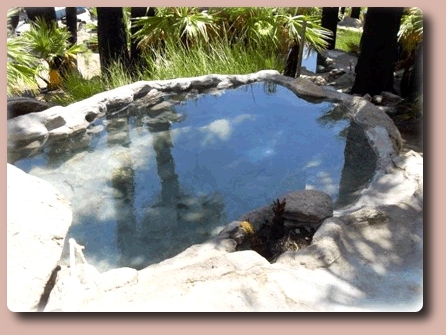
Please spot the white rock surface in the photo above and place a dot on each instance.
(367, 258)
(38, 219)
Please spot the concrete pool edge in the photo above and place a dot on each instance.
(380, 130)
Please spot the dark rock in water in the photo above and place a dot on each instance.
(23, 105)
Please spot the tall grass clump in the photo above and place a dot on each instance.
(77, 88)
(348, 40)
(174, 61)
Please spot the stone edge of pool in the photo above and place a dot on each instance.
(28, 133)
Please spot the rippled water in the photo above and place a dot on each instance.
(155, 181)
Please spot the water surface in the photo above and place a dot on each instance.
(154, 182)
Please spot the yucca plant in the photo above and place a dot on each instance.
(50, 43)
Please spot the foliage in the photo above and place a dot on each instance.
(11, 12)
(223, 57)
(171, 23)
(256, 26)
(315, 35)
(410, 35)
(49, 41)
(218, 40)
(76, 88)
(22, 65)
(411, 29)
(348, 40)
(175, 61)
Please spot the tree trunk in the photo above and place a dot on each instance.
(330, 21)
(412, 86)
(136, 57)
(71, 16)
(355, 12)
(47, 13)
(291, 61)
(376, 63)
(112, 38)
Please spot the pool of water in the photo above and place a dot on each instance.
(309, 60)
(155, 181)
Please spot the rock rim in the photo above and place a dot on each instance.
(191, 283)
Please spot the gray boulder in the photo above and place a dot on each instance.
(307, 206)
(24, 105)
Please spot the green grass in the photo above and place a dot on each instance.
(220, 58)
(348, 40)
(175, 62)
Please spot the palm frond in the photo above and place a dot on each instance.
(49, 41)
(21, 67)
(411, 29)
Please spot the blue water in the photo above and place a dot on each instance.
(310, 60)
(142, 194)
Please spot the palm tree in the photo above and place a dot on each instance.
(51, 43)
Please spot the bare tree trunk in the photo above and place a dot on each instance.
(47, 13)
(355, 12)
(291, 61)
(136, 57)
(330, 21)
(376, 63)
(112, 38)
(71, 16)
(412, 86)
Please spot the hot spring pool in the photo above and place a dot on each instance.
(154, 182)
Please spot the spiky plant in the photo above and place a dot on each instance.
(254, 26)
(21, 66)
(276, 27)
(411, 29)
(187, 24)
(49, 42)
(316, 37)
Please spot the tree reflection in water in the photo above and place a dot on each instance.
(152, 239)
